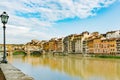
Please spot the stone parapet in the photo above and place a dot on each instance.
(12, 73)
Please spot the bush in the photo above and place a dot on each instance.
(117, 57)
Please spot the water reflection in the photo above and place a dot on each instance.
(72, 67)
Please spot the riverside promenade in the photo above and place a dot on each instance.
(12, 73)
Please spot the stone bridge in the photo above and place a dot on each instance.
(10, 48)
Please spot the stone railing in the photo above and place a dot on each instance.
(12, 73)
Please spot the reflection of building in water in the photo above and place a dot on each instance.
(10, 58)
(82, 67)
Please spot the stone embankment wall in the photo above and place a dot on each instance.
(12, 73)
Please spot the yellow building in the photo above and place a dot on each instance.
(118, 45)
(112, 46)
(97, 45)
(52, 45)
(46, 46)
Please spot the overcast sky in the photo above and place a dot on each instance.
(45, 19)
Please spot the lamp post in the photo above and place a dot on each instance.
(4, 19)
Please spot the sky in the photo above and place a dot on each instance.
(46, 19)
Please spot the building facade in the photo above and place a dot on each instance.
(118, 45)
(59, 45)
(113, 34)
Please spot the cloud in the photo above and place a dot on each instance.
(22, 34)
(35, 18)
(52, 10)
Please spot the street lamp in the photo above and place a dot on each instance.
(4, 19)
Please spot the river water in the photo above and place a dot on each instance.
(67, 67)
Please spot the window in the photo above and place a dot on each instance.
(113, 50)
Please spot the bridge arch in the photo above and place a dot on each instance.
(17, 52)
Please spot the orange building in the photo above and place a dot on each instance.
(109, 46)
(105, 46)
(98, 44)
(90, 45)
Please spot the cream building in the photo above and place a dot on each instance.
(80, 42)
(84, 42)
(113, 34)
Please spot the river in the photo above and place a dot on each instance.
(67, 67)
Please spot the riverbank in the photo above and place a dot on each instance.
(117, 56)
(12, 73)
(107, 56)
